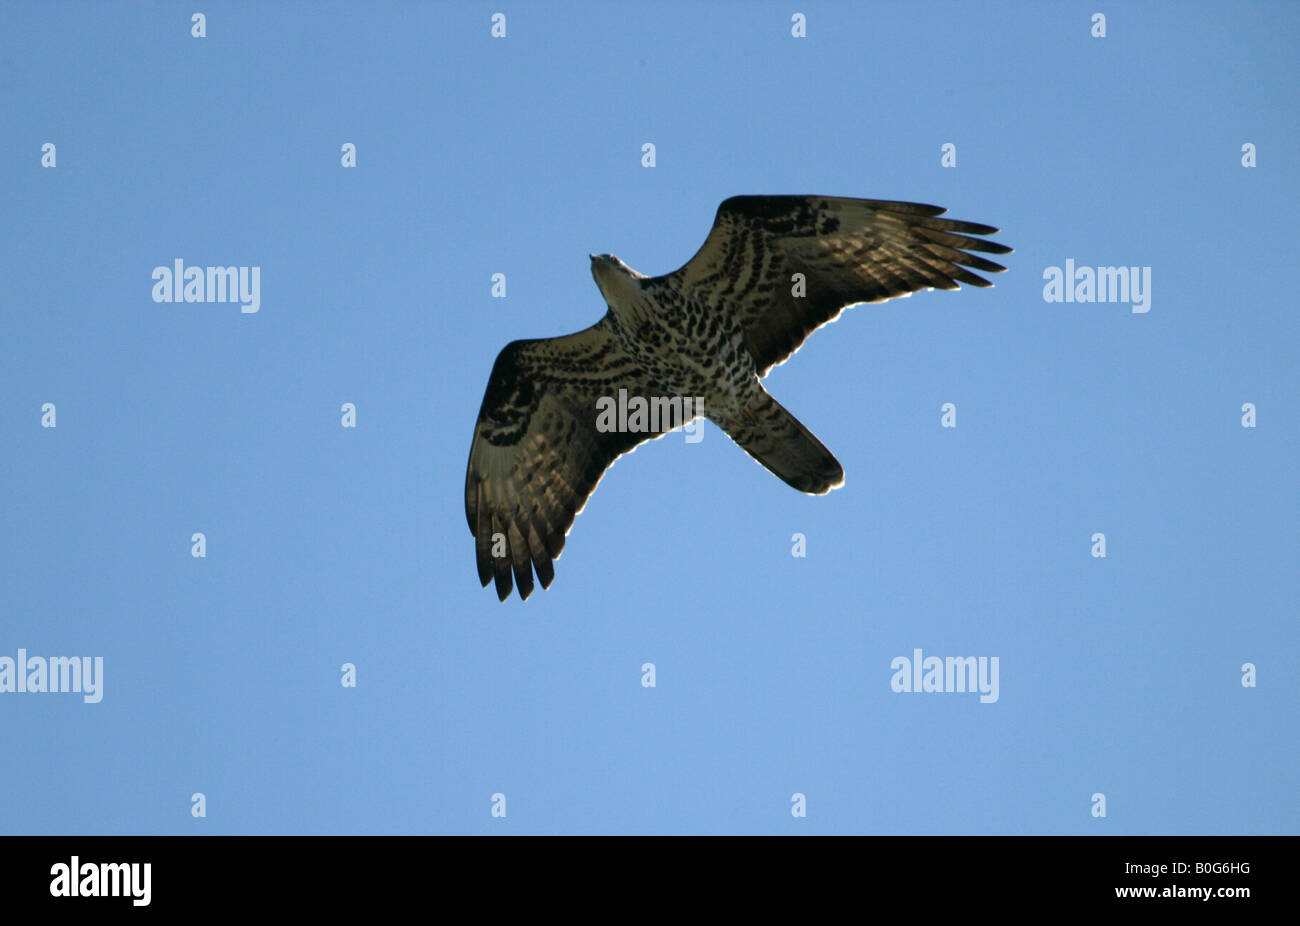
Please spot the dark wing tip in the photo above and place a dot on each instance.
(544, 568)
(972, 228)
(893, 205)
(490, 571)
(504, 585)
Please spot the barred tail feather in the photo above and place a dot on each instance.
(778, 440)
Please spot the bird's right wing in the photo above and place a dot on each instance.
(538, 455)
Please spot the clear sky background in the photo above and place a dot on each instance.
(521, 155)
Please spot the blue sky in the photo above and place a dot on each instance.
(1119, 675)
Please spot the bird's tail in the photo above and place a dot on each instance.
(777, 439)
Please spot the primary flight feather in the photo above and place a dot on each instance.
(773, 269)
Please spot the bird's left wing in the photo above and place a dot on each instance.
(845, 251)
(537, 453)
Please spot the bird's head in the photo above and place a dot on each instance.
(616, 279)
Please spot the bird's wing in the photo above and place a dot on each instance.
(538, 454)
(848, 251)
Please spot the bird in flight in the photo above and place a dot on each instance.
(772, 270)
